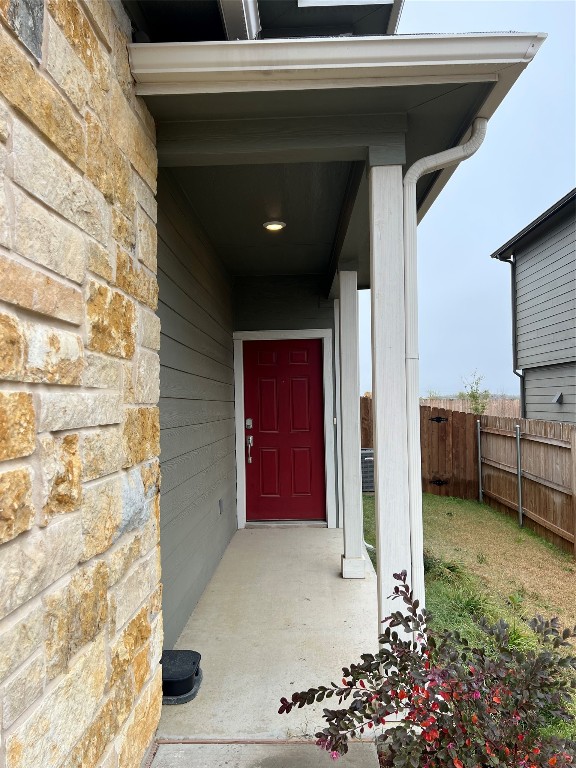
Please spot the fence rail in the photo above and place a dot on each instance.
(546, 452)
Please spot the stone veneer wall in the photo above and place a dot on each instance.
(80, 621)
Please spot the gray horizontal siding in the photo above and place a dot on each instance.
(182, 468)
(547, 287)
(541, 273)
(185, 497)
(561, 322)
(182, 329)
(552, 342)
(209, 285)
(546, 297)
(542, 384)
(180, 384)
(179, 414)
(553, 235)
(198, 513)
(281, 303)
(549, 357)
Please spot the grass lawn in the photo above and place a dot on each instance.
(478, 562)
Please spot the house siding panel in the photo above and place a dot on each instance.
(281, 303)
(196, 409)
(546, 296)
(548, 240)
(542, 384)
(542, 273)
(561, 322)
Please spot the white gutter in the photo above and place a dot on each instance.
(249, 65)
(450, 157)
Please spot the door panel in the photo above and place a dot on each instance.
(268, 405)
(299, 405)
(283, 396)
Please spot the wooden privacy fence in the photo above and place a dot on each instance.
(449, 443)
(548, 474)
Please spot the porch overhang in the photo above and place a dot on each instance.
(326, 100)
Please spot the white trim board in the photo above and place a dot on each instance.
(327, 368)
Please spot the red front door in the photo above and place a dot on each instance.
(284, 413)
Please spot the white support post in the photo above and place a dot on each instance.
(353, 563)
(338, 396)
(389, 380)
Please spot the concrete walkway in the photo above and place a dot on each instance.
(259, 756)
(275, 618)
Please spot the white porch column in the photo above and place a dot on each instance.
(338, 398)
(389, 380)
(353, 564)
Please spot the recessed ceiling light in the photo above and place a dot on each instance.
(274, 226)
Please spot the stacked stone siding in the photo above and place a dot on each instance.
(80, 601)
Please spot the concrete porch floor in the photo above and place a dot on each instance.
(275, 618)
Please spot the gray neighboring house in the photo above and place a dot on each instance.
(543, 261)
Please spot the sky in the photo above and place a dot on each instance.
(526, 164)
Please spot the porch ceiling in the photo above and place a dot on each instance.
(233, 202)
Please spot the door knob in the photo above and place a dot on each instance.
(249, 444)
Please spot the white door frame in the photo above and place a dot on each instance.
(328, 387)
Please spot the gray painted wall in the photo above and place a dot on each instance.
(281, 303)
(198, 502)
(541, 386)
(546, 296)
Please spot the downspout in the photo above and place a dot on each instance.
(420, 168)
(515, 370)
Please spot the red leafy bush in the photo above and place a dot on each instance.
(446, 704)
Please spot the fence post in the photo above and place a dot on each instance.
(478, 437)
(519, 475)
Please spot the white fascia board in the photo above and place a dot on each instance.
(268, 65)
